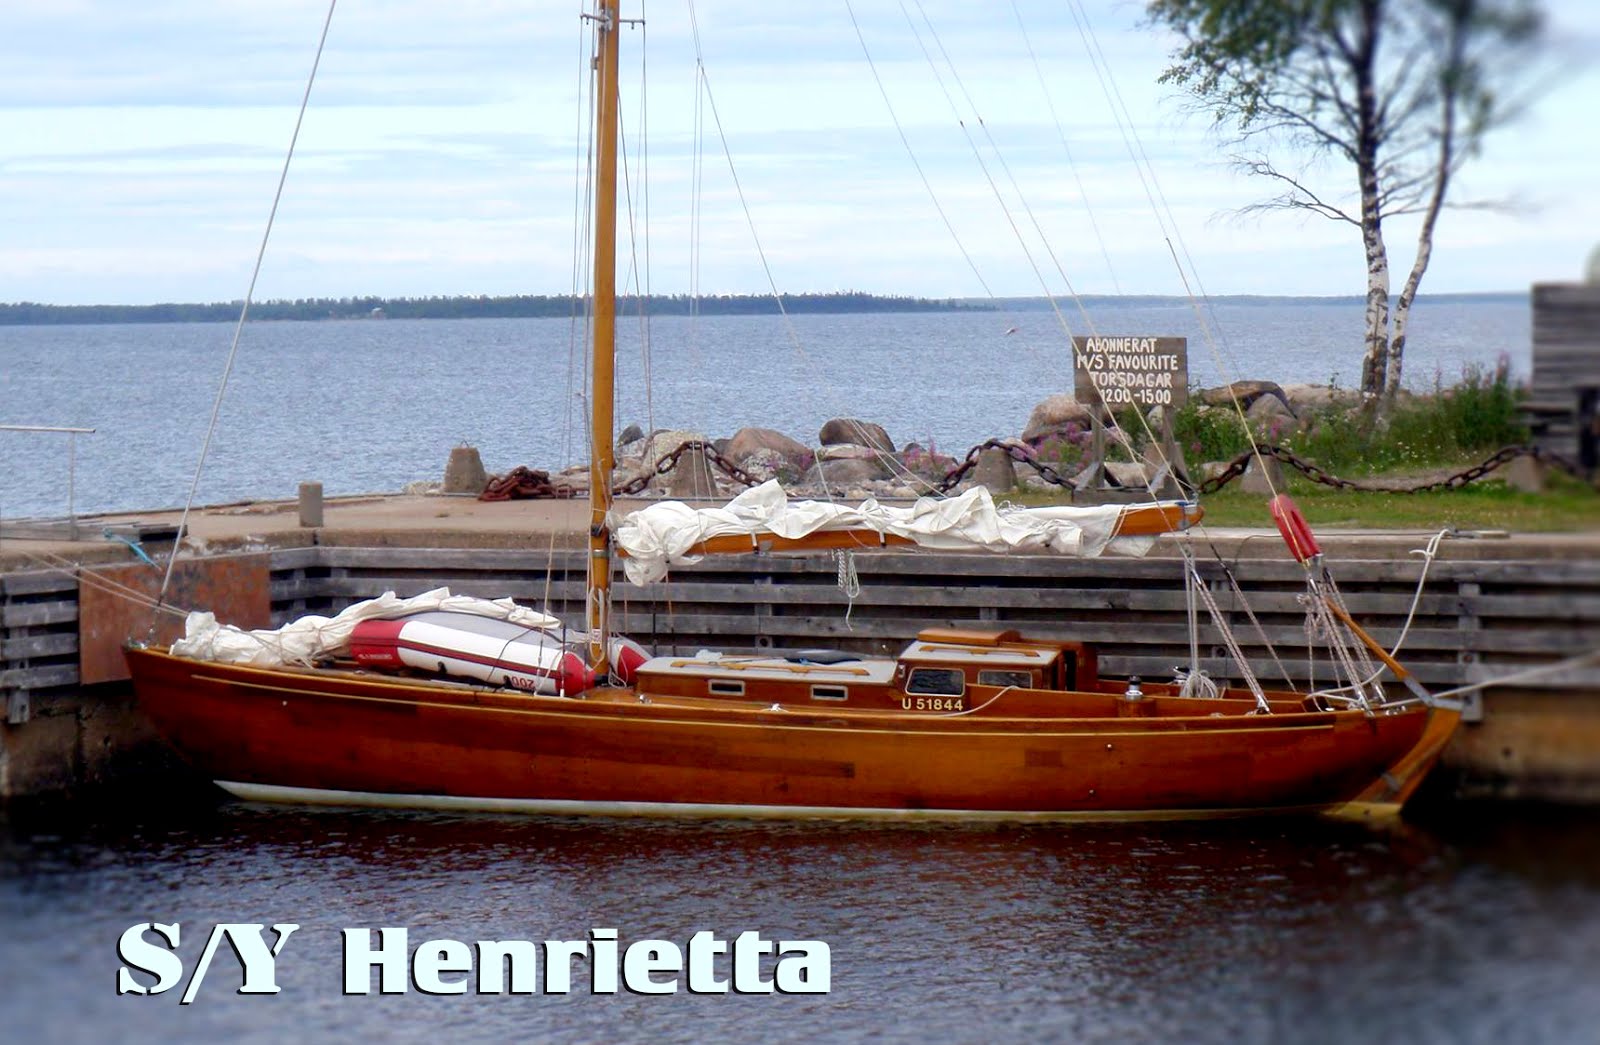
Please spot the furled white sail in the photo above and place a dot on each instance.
(661, 535)
(303, 641)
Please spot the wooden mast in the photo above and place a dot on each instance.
(603, 352)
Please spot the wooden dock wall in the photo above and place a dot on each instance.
(1476, 620)
(1566, 366)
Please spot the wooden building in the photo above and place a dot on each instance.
(1564, 404)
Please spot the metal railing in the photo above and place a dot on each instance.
(72, 464)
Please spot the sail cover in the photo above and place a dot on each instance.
(662, 535)
(303, 641)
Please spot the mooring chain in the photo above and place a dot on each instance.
(1316, 474)
(1021, 454)
(670, 461)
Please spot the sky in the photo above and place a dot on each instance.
(141, 145)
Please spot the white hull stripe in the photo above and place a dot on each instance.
(697, 810)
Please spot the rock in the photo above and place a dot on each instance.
(630, 434)
(1271, 416)
(845, 472)
(422, 487)
(1127, 474)
(1525, 474)
(926, 464)
(1055, 414)
(1263, 477)
(762, 465)
(1247, 392)
(1303, 399)
(662, 442)
(995, 471)
(747, 441)
(464, 473)
(848, 452)
(849, 430)
(693, 477)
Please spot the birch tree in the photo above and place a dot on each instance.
(1400, 91)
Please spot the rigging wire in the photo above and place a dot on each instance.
(244, 310)
(1209, 330)
(766, 267)
(1121, 437)
(579, 314)
(1072, 164)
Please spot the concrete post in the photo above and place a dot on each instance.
(311, 504)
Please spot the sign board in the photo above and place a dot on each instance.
(1131, 371)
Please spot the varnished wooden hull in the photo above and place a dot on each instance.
(397, 742)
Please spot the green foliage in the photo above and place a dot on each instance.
(1451, 425)
(1472, 418)
(1208, 434)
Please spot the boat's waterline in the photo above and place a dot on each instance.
(277, 794)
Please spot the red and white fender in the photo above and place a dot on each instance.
(493, 651)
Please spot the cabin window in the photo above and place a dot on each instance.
(995, 677)
(944, 682)
(721, 688)
(830, 693)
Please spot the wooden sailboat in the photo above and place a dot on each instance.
(962, 723)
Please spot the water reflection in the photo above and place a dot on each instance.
(1473, 927)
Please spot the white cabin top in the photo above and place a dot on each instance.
(924, 652)
(794, 667)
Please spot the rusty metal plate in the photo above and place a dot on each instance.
(237, 588)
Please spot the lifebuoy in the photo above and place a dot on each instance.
(1296, 531)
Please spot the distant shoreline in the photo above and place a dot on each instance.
(28, 313)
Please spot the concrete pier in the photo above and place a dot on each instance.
(1492, 604)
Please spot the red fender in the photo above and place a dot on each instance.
(1296, 531)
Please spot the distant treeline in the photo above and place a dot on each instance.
(1037, 304)
(520, 306)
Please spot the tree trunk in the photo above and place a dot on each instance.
(1448, 92)
(1375, 363)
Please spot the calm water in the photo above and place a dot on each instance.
(1482, 930)
(365, 406)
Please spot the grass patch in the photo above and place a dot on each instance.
(1460, 423)
(1566, 505)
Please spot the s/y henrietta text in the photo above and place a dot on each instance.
(706, 965)
(600, 964)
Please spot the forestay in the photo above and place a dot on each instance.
(666, 534)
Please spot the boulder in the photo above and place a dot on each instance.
(748, 441)
(693, 477)
(630, 434)
(762, 465)
(995, 471)
(845, 472)
(850, 430)
(1263, 477)
(849, 452)
(662, 442)
(1305, 399)
(1247, 392)
(1271, 416)
(926, 464)
(464, 472)
(1055, 414)
(1127, 474)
